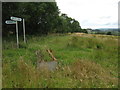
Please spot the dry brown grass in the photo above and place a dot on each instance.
(89, 72)
(95, 35)
(83, 73)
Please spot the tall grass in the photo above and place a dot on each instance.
(84, 62)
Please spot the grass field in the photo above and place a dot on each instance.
(85, 61)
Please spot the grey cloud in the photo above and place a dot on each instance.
(85, 21)
(107, 24)
(105, 17)
(115, 23)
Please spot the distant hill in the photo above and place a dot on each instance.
(114, 31)
(108, 29)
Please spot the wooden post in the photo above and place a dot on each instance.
(50, 53)
(24, 30)
(17, 34)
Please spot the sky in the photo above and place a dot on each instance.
(91, 13)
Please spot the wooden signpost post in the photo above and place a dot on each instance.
(14, 20)
(24, 30)
(17, 34)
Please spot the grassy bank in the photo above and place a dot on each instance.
(85, 61)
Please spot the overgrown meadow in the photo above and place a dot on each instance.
(85, 61)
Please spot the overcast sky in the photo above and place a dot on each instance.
(91, 13)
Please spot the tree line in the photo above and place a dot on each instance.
(40, 18)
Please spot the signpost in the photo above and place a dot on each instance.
(10, 22)
(19, 19)
(14, 20)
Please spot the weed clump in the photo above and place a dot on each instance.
(23, 45)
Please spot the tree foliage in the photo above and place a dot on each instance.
(40, 17)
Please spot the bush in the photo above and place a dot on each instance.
(109, 33)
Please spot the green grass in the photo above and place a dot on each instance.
(85, 62)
